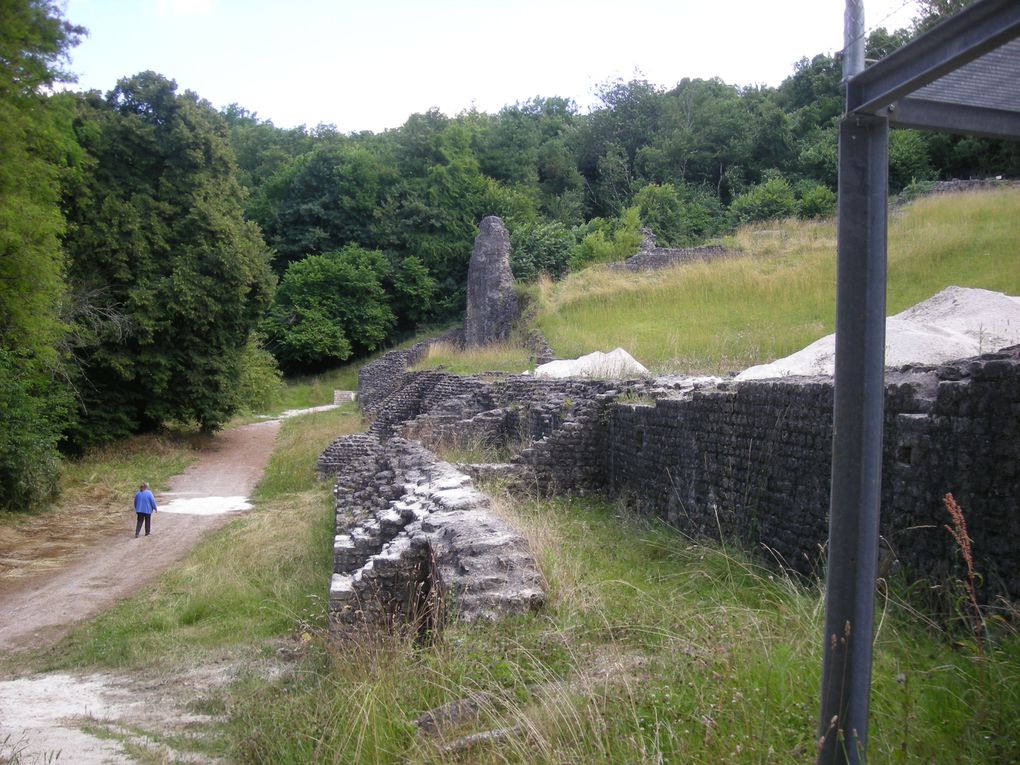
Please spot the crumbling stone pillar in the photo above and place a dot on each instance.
(491, 302)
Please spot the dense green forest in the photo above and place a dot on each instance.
(162, 260)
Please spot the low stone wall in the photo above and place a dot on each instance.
(382, 377)
(416, 543)
(751, 460)
(664, 257)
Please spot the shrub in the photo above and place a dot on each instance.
(259, 382)
(608, 241)
(663, 212)
(817, 201)
(537, 248)
(30, 425)
(771, 200)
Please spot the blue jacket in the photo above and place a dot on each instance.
(144, 502)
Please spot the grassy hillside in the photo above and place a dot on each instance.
(779, 295)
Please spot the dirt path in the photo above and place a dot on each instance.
(44, 714)
(40, 611)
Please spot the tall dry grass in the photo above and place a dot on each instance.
(778, 294)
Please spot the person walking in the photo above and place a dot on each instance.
(145, 506)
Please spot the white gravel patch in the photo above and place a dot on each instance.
(39, 719)
(956, 323)
(206, 505)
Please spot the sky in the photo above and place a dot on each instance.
(370, 64)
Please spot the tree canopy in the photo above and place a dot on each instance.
(158, 246)
(37, 150)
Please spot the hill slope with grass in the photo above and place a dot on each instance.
(778, 295)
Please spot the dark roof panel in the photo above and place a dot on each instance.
(962, 75)
(991, 81)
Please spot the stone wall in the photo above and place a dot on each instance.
(650, 256)
(751, 460)
(415, 543)
(382, 377)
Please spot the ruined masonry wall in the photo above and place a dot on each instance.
(752, 460)
(415, 542)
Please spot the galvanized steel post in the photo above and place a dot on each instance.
(856, 439)
(859, 400)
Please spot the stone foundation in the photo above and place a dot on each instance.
(416, 543)
(752, 460)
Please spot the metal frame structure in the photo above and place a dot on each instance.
(962, 76)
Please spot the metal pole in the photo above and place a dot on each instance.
(853, 38)
(858, 406)
(857, 439)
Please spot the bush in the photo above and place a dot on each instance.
(537, 248)
(771, 200)
(908, 159)
(30, 427)
(817, 202)
(663, 212)
(608, 241)
(259, 384)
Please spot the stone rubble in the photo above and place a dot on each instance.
(416, 542)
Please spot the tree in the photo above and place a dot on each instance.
(413, 290)
(330, 307)
(37, 147)
(325, 199)
(157, 236)
(931, 12)
(537, 248)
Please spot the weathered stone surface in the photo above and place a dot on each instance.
(651, 257)
(491, 303)
(752, 459)
(416, 542)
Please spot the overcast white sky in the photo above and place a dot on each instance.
(369, 64)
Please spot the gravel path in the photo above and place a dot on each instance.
(43, 715)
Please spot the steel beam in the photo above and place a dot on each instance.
(857, 439)
(923, 114)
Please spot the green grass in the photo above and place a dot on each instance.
(499, 357)
(306, 391)
(651, 648)
(780, 294)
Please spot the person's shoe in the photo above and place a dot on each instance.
(147, 534)
(136, 536)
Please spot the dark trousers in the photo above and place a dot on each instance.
(145, 518)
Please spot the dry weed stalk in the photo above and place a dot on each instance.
(959, 533)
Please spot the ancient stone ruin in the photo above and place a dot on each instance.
(491, 303)
(650, 256)
(416, 542)
(748, 460)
